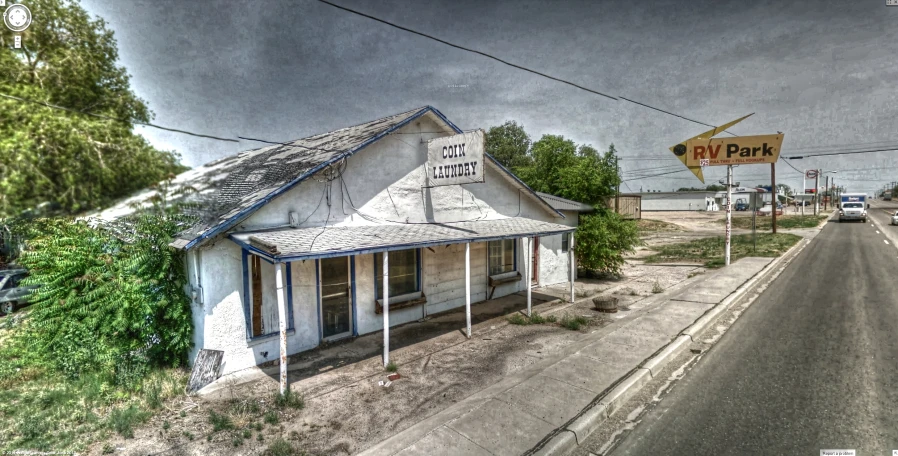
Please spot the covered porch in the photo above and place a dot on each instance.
(499, 241)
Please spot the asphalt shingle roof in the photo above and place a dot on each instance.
(322, 242)
(562, 204)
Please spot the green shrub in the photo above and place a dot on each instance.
(551, 319)
(657, 288)
(391, 367)
(518, 319)
(602, 239)
(537, 319)
(123, 420)
(220, 421)
(111, 297)
(271, 417)
(280, 447)
(574, 323)
(295, 400)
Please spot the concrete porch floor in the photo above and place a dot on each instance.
(407, 341)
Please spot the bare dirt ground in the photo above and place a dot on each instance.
(347, 411)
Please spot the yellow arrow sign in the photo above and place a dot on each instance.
(679, 150)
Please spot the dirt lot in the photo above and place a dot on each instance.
(697, 224)
(345, 411)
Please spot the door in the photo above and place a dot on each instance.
(336, 298)
(534, 275)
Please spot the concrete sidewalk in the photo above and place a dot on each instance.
(522, 411)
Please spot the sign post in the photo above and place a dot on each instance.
(726, 253)
(775, 196)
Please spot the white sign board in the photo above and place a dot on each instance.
(457, 159)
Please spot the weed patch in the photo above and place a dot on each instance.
(710, 251)
(281, 447)
(574, 323)
(220, 421)
(123, 420)
(295, 400)
(657, 288)
(391, 367)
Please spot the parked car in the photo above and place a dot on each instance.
(13, 295)
(768, 209)
(894, 219)
(741, 206)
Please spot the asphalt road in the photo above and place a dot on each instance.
(811, 365)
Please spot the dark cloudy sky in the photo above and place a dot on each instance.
(824, 72)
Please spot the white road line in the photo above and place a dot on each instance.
(877, 231)
(885, 241)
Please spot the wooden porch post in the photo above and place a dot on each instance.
(528, 258)
(282, 322)
(468, 286)
(570, 253)
(386, 282)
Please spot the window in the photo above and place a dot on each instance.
(403, 272)
(565, 242)
(501, 256)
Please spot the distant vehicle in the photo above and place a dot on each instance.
(13, 295)
(853, 206)
(887, 195)
(894, 219)
(741, 205)
(767, 209)
(802, 203)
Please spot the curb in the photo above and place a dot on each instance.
(575, 433)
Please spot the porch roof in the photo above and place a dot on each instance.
(319, 242)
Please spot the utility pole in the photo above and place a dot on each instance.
(726, 253)
(775, 197)
(617, 193)
(826, 195)
(817, 193)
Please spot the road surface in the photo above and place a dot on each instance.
(811, 365)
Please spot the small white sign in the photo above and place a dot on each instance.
(704, 162)
(456, 159)
(838, 453)
(811, 173)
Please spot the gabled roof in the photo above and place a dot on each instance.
(228, 190)
(561, 204)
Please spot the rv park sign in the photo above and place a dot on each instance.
(741, 150)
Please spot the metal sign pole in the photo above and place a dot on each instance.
(754, 212)
(729, 213)
(775, 197)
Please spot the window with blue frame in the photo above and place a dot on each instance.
(404, 272)
(501, 256)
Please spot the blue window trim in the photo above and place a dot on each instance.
(355, 326)
(377, 291)
(247, 311)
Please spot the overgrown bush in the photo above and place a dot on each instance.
(111, 297)
(602, 239)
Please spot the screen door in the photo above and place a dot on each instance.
(336, 298)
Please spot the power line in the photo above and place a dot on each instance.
(794, 157)
(489, 56)
(101, 116)
(792, 166)
(465, 49)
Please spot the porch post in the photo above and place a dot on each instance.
(386, 281)
(528, 254)
(468, 285)
(570, 253)
(282, 322)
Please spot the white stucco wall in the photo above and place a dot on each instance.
(680, 201)
(385, 181)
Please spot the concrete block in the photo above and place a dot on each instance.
(613, 400)
(587, 373)
(660, 360)
(501, 429)
(443, 442)
(548, 399)
(588, 422)
(561, 444)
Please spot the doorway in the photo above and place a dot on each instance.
(534, 268)
(336, 298)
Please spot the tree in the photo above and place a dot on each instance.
(61, 161)
(509, 144)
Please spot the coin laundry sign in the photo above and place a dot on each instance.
(742, 150)
(456, 159)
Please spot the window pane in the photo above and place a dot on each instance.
(565, 242)
(501, 256)
(403, 272)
